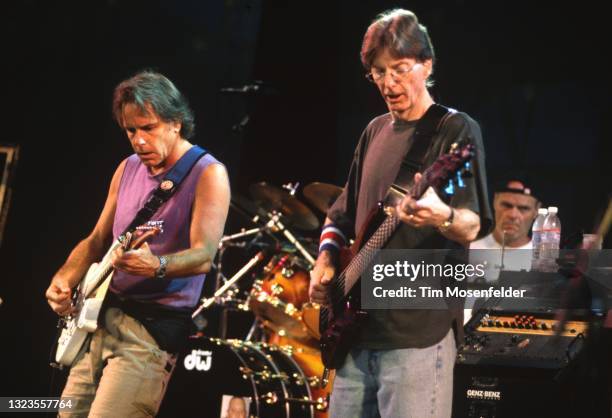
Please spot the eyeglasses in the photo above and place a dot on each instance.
(397, 74)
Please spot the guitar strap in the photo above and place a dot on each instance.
(170, 183)
(426, 128)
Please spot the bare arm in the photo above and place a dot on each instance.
(88, 251)
(210, 209)
(209, 214)
(321, 274)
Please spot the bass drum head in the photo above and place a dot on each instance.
(211, 373)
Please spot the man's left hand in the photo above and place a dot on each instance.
(140, 262)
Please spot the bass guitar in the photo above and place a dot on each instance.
(339, 322)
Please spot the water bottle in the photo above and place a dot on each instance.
(536, 239)
(551, 236)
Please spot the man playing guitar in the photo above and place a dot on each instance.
(401, 361)
(124, 367)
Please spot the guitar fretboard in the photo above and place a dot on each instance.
(345, 281)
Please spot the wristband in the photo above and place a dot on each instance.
(332, 239)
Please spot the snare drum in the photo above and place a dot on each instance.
(213, 371)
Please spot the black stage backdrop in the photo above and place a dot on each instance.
(532, 73)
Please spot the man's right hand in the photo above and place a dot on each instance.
(59, 297)
(320, 277)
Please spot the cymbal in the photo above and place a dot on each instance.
(295, 212)
(245, 206)
(322, 195)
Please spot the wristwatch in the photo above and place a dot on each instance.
(160, 273)
(447, 223)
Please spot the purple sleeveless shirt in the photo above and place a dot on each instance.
(136, 186)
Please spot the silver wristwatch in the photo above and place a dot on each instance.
(160, 273)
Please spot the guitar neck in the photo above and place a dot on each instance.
(353, 271)
(436, 175)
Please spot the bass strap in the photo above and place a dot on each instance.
(428, 126)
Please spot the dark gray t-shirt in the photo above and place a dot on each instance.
(378, 157)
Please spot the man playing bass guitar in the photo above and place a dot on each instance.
(401, 362)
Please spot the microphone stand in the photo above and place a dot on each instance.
(501, 268)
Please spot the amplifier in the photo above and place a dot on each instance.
(522, 340)
(518, 364)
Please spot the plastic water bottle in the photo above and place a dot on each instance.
(551, 236)
(536, 239)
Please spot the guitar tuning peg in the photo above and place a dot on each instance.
(460, 182)
(466, 171)
(450, 188)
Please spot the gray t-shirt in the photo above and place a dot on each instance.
(378, 157)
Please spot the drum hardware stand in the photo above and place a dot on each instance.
(291, 187)
(275, 220)
(207, 302)
(254, 328)
(224, 243)
(324, 378)
(241, 234)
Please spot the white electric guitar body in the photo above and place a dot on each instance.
(89, 295)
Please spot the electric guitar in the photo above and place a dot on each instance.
(89, 295)
(339, 322)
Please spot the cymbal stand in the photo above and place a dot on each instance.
(291, 187)
(275, 220)
(241, 234)
(207, 302)
(224, 243)
(254, 328)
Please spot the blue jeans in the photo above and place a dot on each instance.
(402, 383)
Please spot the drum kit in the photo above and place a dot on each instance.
(275, 370)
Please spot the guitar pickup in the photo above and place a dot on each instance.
(88, 317)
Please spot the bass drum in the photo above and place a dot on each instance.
(263, 379)
(308, 356)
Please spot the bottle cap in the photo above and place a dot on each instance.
(552, 209)
(542, 211)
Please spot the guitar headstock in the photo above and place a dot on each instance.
(449, 169)
(142, 233)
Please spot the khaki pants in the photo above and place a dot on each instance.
(124, 373)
